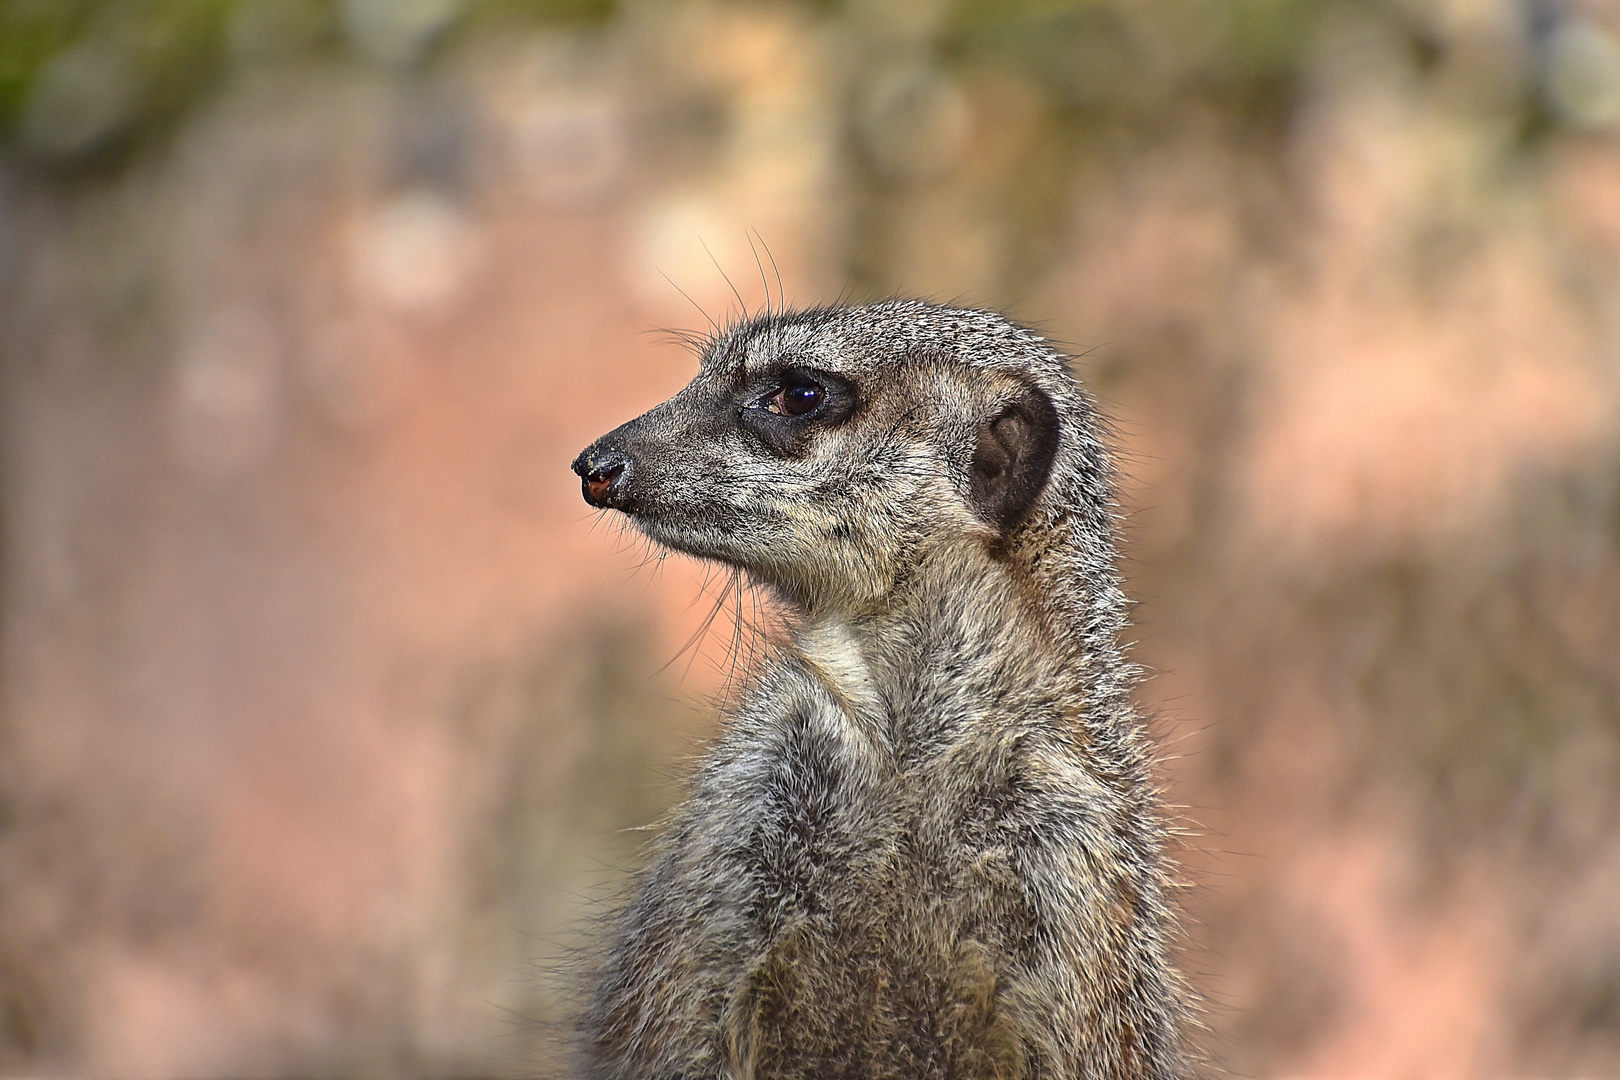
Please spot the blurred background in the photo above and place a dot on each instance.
(329, 711)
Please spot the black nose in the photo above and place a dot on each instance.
(604, 471)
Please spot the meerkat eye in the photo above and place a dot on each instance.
(787, 414)
(797, 397)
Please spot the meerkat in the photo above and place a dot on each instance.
(927, 842)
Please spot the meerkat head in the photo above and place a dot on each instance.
(825, 452)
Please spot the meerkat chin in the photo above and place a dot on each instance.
(927, 842)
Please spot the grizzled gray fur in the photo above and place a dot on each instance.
(927, 843)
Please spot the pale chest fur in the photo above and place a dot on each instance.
(848, 794)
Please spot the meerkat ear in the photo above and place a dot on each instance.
(1013, 457)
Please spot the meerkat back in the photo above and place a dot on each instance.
(927, 842)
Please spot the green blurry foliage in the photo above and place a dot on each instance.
(31, 33)
(77, 79)
(1105, 52)
(80, 77)
(83, 80)
(1061, 88)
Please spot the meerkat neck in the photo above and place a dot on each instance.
(834, 645)
(958, 607)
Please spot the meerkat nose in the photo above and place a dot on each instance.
(602, 471)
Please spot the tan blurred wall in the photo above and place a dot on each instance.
(330, 711)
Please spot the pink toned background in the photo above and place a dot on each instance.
(330, 712)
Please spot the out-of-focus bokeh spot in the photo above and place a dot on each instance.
(228, 393)
(397, 31)
(330, 715)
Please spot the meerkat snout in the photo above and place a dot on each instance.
(604, 472)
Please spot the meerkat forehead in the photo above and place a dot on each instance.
(864, 340)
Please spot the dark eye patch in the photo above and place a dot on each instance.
(785, 412)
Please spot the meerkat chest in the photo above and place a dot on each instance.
(841, 818)
(879, 912)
